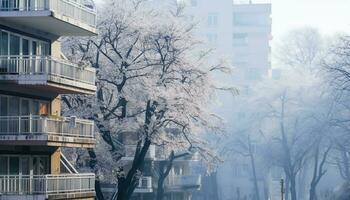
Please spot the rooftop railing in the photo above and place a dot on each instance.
(47, 184)
(61, 126)
(69, 8)
(46, 65)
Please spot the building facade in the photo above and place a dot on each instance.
(240, 32)
(33, 75)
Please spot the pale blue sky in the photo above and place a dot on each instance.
(330, 16)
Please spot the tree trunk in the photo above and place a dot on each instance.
(318, 171)
(287, 189)
(255, 178)
(127, 185)
(293, 191)
(93, 162)
(160, 189)
(163, 174)
(313, 195)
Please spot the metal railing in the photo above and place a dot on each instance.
(63, 126)
(46, 184)
(38, 65)
(68, 8)
(145, 183)
(184, 180)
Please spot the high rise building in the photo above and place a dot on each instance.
(33, 75)
(239, 31)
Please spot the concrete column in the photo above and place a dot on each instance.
(56, 49)
(56, 162)
(56, 106)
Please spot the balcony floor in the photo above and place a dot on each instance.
(83, 195)
(43, 89)
(48, 21)
(47, 140)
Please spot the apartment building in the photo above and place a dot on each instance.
(240, 32)
(33, 75)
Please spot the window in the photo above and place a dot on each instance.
(14, 165)
(16, 45)
(25, 47)
(212, 38)
(3, 165)
(250, 19)
(252, 74)
(212, 19)
(24, 165)
(194, 3)
(4, 43)
(44, 108)
(3, 106)
(239, 39)
(15, 106)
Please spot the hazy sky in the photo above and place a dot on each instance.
(330, 16)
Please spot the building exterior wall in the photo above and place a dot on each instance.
(33, 74)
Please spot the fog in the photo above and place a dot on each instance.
(263, 97)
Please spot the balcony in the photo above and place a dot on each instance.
(45, 75)
(145, 185)
(65, 186)
(46, 131)
(183, 182)
(130, 153)
(58, 17)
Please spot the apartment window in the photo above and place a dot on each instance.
(25, 47)
(3, 165)
(252, 74)
(15, 106)
(3, 43)
(24, 165)
(194, 3)
(16, 45)
(250, 19)
(212, 38)
(239, 39)
(212, 19)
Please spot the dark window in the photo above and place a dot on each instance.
(14, 45)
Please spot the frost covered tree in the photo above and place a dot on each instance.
(153, 76)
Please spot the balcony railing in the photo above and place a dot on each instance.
(61, 126)
(130, 152)
(46, 184)
(145, 183)
(45, 65)
(68, 8)
(184, 181)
